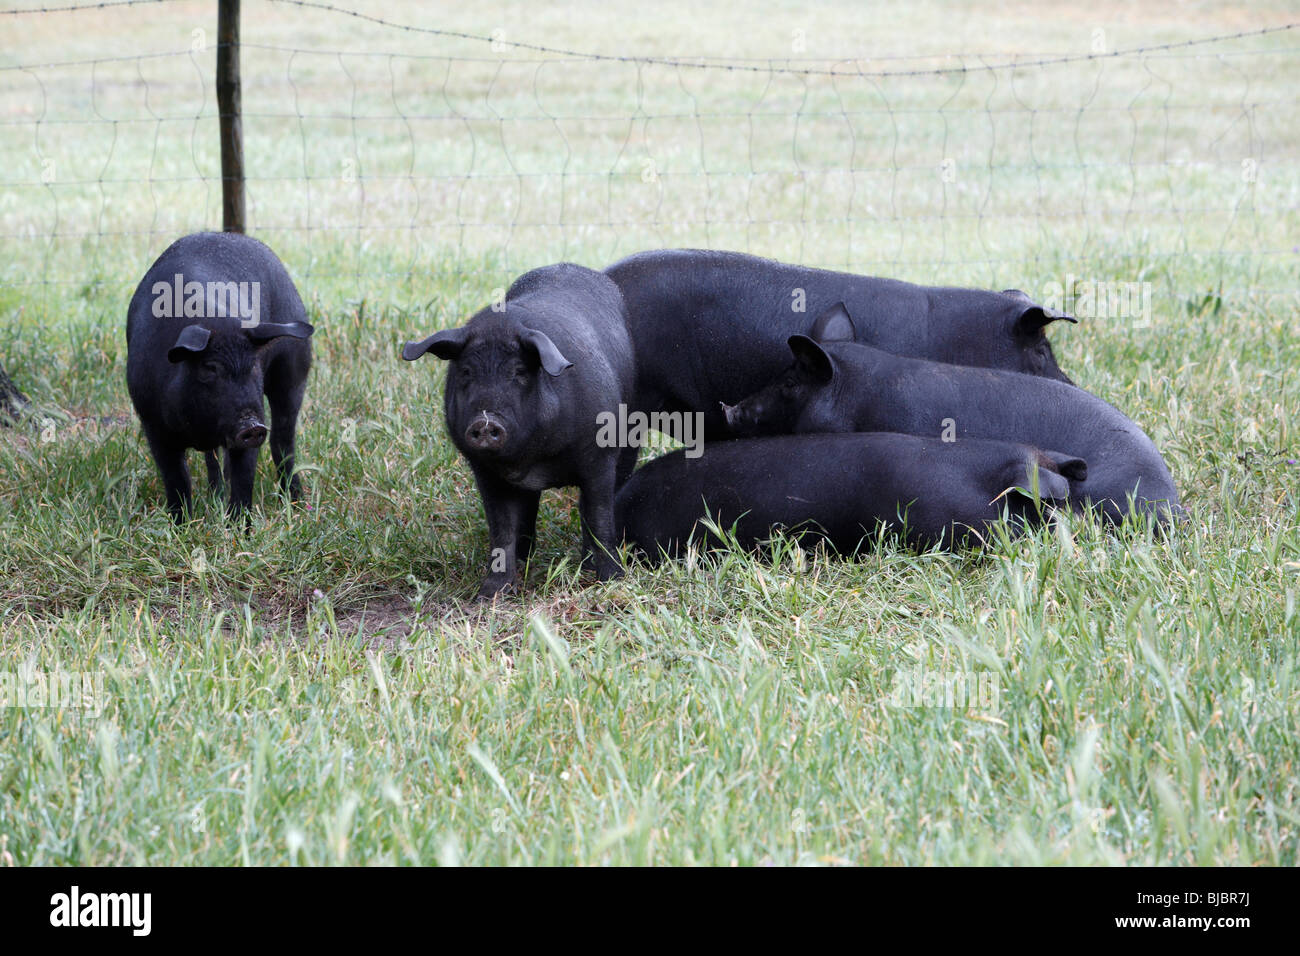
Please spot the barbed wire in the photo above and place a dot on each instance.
(706, 64)
(748, 64)
(80, 7)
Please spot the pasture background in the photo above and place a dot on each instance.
(320, 691)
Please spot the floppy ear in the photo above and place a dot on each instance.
(551, 358)
(446, 344)
(265, 331)
(1076, 469)
(192, 340)
(1028, 478)
(811, 358)
(1037, 317)
(1034, 317)
(834, 325)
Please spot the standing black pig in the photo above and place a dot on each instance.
(527, 382)
(840, 386)
(214, 325)
(842, 489)
(710, 327)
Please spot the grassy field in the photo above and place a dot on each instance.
(320, 690)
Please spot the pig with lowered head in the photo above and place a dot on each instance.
(836, 384)
(216, 324)
(843, 490)
(711, 326)
(526, 382)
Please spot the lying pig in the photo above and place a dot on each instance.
(527, 382)
(838, 386)
(842, 489)
(710, 327)
(214, 325)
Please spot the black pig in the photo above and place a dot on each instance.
(527, 382)
(841, 489)
(839, 386)
(214, 325)
(710, 327)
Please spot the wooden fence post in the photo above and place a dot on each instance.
(232, 129)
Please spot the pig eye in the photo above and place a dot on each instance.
(521, 372)
(208, 372)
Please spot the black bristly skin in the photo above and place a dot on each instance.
(842, 489)
(525, 386)
(849, 387)
(198, 382)
(710, 327)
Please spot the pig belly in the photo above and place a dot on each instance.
(537, 477)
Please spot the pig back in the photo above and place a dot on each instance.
(583, 313)
(210, 258)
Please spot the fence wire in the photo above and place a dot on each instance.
(411, 151)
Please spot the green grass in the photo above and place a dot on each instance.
(320, 690)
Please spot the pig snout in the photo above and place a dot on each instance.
(250, 434)
(486, 433)
(740, 418)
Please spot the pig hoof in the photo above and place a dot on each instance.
(492, 588)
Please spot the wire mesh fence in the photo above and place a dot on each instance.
(376, 159)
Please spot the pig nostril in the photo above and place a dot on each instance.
(251, 437)
(485, 433)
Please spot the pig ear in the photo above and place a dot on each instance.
(192, 340)
(811, 358)
(551, 358)
(1076, 469)
(1030, 473)
(1034, 317)
(446, 344)
(834, 325)
(265, 331)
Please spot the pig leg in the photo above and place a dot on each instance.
(214, 471)
(527, 527)
(175, 475)
(596, 506)
(626, 465)
(241, 464)
(510, 513)
(285, 404)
